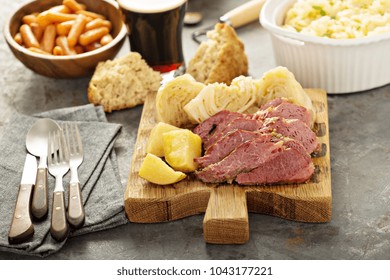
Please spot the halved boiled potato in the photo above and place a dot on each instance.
(155, 142)
(155, 170)
(181, 147)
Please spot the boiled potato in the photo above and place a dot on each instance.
(180, 149)
(155, 143)
(155, 170)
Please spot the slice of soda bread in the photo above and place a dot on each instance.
(219, 59)
(122, 83)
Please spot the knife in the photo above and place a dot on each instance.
(239, 16)
(244, 14)
(21, 226)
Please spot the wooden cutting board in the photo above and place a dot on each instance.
(226, 206)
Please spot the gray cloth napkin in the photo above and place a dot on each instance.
(98, 174)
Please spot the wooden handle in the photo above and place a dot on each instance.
(59, 226)
(39, 205)
(76, 214)
(243, 14)
(21, 226)
(226, 217)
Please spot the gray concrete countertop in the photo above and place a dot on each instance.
(360, 165)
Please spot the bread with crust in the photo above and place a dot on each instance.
(123, 82)
(219, 59)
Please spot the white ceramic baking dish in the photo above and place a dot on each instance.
(336, 65)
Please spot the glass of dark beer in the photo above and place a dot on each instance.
(155, 30)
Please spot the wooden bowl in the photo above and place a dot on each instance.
(69, 66)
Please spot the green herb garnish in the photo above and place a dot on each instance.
(320, 9)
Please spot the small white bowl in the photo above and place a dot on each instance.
(336, 65)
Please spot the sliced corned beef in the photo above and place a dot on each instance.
(244, 158)
(209, 126)
(285, 110)
(224, 146)
(289, 166)
(256, 162)
(292, 128)
(273, 103)
(243, 123)
(271, 146)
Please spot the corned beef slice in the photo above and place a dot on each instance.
(289, 166)
(285, 110)
(273, 103)
(226, 142)
(271, 146)
(292, 128)
(209, 126)
(244, 123)
(257, 162)
(293, 165)
(224, 146)
(244, 158)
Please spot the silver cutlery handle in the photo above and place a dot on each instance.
(21, 226)
(244, 14)
(39, 205)
(59, 227)
(76, 214)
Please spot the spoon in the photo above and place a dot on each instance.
(36, 143)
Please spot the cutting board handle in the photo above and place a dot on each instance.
(226, 217)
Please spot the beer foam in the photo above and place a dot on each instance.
(150, 6)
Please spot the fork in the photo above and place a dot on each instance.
(76, 214)
(58, 165)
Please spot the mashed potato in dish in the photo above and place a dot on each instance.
(339, 19)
